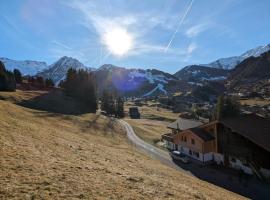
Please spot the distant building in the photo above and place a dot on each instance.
(241, 142)
(134, 113)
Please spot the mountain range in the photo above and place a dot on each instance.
(139, 81)
(218, 69)
(58, 70)
(231, 62)
(27, 67)
(251, 75)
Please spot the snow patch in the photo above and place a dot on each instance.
(193, 83)
(159, 87)
(149, 76)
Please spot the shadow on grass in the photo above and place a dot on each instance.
(56, 102)
(229, 179)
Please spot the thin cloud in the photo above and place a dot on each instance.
(197, 29)
(60, 44)
(191, 48)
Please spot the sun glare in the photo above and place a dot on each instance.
(118, 41)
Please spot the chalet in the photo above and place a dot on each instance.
(134, 113)
(177, 127)
(241, 142)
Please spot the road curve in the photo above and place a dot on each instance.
(149, 149)
(255, 189)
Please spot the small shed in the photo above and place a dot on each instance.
(134, 113)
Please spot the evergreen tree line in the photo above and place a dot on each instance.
(82, 86)
(7, 79)
(112, 104)
(40, 83)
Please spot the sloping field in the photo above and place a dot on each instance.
(44, 155)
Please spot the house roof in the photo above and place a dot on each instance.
(205, 136)
(252, 127)
(184, 124)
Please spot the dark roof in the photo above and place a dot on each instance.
(252, 127)
(205, 136)
(184, 124)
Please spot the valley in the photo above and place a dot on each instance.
(134, 100)
(53, 155)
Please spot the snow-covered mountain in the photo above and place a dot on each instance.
(217, 70)
(231, 62)
(58, 70)
(27, 67)
(197, 74)
(136, 82)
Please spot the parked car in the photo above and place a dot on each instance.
(176, 155)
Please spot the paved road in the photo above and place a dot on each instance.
(149, 149)
(227, 178)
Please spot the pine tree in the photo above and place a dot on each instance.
(81, 85)
(7, 80)
(49, 83)
(40, 82)
(17, 75)
(120, 108)
(104, 101)
(226, 107)
(219, 107)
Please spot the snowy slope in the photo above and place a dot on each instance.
(58, 70)
(159, 87)
(26, 67)
(132, 81)
(231, 62)
(148, 75)
(197, 73)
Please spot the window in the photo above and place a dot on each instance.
(190, 152)
(192, 141)
(185, 138)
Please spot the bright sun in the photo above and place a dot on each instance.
(118, 41)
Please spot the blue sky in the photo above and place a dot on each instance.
(163, 34)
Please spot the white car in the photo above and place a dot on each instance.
(176, 155)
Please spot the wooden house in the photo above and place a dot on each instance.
(241, 142)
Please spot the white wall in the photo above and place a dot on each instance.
(185, 151)
(218, 158)
(239, 165)
(208, 157)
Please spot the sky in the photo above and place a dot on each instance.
(163, 34)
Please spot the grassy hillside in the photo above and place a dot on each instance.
(45, 155)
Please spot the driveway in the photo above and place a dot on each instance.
(247, 186)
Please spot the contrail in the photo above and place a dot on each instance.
(179, 25)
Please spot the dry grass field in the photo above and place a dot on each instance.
(153, 113)
(149, 130)
(48, 155)
(255, 102)
(153, 122)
